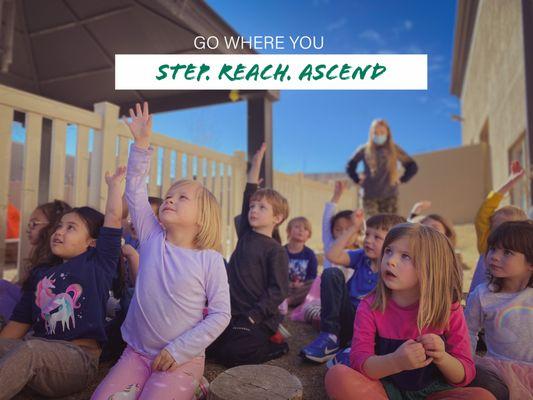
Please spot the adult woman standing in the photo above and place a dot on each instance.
(380, 180)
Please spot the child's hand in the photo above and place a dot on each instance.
(340, 187)
(411, 355)
(129, 251)
(140, 125)
(420, 206)
(517, 172)
(433, 346)
(358, 218)
(255, 167)
(115, 179)
(164, 362)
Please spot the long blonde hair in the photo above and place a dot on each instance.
(370, 151)
(439, 274)
(209, 235)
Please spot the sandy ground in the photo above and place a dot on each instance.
(311, 375)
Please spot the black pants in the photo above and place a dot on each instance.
(337, 314)
(243, 343)
(489, 380)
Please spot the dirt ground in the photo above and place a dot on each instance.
(311, 375)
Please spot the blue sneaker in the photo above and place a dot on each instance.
(342, 357)
(322, 349)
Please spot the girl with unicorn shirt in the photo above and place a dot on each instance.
(64, 302)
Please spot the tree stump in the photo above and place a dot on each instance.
(256, 382)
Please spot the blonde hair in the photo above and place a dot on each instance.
(209, 235)
(511, 213)
(439, 274)
(304, 221)
(370, 151)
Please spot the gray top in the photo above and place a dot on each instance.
(507, 319)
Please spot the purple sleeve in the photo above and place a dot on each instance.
(193, 342)
(142, 216)
(364, 337)
(457, 343)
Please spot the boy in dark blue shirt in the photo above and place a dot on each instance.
(340, 299)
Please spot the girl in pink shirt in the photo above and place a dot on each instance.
(410, 337)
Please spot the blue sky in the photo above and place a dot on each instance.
(317, 131)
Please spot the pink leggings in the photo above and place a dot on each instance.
(344, 383)
(132, 378)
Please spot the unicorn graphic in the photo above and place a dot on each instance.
(130, 393)
(57, 307)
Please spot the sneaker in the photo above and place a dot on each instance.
(342, 357)
(322, 349)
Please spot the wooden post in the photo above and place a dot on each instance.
(152, 181)
(81, 175)
(105, 145)
(6, 122)
(259, 131)
(165, 174)
(56, 189)
(30, 181)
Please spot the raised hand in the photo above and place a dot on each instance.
(340, 187)
(411, 355)
(255, 167)
(517, 172)
(420, 206)
(117, 177)
(140, 125)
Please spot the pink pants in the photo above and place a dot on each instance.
(344, 383)
(132, 378)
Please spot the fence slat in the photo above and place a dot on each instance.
(6, 123)
(179, 166)
(165, 174)
(81, 174)
(58, 160)
(123, 144)
(189, 166)
(29, 193)
(217, 184)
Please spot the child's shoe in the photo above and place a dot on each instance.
(322, 349)
(281, 335)
(342, 357)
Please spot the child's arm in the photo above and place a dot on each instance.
(193, 342)
(474, 317)
(113, 208)
(453, 356)
(337, 253)
(278, 286)
(491, 203)
(142, 216)
(251, 186)
(351, 167)
(131, 255)
(14, 330)
(409, 165)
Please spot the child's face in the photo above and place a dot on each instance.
(397, 269)
(37, 222)
(504, 263)
(261, 215)
(373, 242)
(341, 225)
(71, 237)
(298, 232)
(433, 223)
(180, 207)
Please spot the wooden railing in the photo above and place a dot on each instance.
(173, 159)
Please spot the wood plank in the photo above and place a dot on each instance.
(123, 146)
(165, 174)
(6, 124)
(153, 189)
(81, 175)
(56, 189)
(30, 181)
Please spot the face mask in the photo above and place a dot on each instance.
(380, 139)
